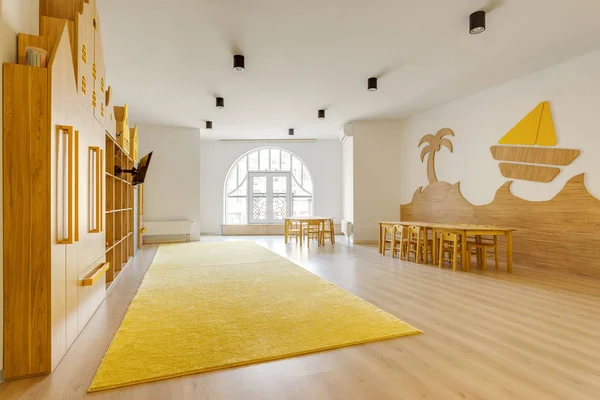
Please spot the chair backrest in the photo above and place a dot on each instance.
(449, 237)
(400, 229)
(414, 232)
(314, 224)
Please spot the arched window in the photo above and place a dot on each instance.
(266, 185)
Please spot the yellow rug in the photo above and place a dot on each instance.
(207, 306)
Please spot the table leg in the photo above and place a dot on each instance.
(509, 251)
(301, 234)
(463, 249)
(434, 246)
(286, 230)
(380, 238)
(426, 246)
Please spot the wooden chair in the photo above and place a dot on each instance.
(400, 242)
(294, 229)
(481, 248)
(419, 244)
(313, 229)
(329, 230)
(388, 238)
(450, 246)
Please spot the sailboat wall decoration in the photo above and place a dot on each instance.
(532, 132)
(544, 236)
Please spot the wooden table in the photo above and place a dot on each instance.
(463, 230)
(301, 220)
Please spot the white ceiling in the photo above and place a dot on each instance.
(169, 59)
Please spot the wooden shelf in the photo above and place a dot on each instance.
(119, 201)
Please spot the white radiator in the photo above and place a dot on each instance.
(167, 228)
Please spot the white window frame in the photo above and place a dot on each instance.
(246, 181)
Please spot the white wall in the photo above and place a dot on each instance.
(172, 186)
(377, 177)
(480, 120)
(348, 179)
(16, 16)
(323, 158)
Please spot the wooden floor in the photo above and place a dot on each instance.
(529, 335)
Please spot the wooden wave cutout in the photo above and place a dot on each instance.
(561, 233)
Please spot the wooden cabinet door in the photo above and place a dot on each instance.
(92, 192)
(99, 72)
(85, 55)
(109, 120)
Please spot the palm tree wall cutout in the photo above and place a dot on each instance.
(434, 144)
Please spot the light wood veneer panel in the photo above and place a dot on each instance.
(535, 155)
(26, 220)
(561, 233)
(526, 172)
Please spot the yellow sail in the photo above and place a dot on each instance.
(536, 128)
(546, 134)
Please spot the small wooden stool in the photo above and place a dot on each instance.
(388, 229)
(449, 244)
(400, 242)
(416, 244)
(481, 247)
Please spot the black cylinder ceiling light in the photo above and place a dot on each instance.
(220, 102)
(372, 85)
(477, 22)
(291, 132)
(239, 63)
(208, 124)
(321, 114)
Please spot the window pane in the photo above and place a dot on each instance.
(237, 210)
(307, 182)
(302, 206)
(264, 160)
(242, 190)
(259, 197)
(275, 158)
(279, 207)
(297, 169)
(232, 180)
(259, 184)
(253, 161)
(286, 161)
(242, 170)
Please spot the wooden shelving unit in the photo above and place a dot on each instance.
(119, 210)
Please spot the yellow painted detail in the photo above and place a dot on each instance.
(526, 131)
(83, 85)
(83, 54)
(208, 306)
(546, 134)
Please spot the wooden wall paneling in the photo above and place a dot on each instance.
(85, 55)
(64, 9)
(65, 258)
(109, 121)
(52, 28)
(561, 233)
(534, 155)
(26, 158)
(122, 126)
(434, 144)
(92, 289)
(526, 172)
(100, 76)
(24, 41)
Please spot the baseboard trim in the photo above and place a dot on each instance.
(366, 242)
